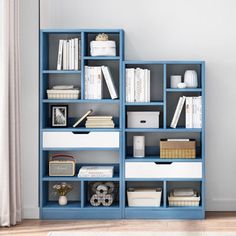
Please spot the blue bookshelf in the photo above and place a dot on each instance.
(163, 99)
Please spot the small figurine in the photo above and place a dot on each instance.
(102, 37)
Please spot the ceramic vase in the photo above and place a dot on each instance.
(175, 80)
(190, 78)
(62, 200)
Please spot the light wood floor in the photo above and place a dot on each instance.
(215, 221)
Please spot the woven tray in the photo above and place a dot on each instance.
(178, 149)
(184, 201)
(63, 94)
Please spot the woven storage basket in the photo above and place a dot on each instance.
(177, 149)
(184, 201)
(63, 94)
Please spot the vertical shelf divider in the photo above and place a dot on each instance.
(83, 49)
(164, 95)
(165, 194)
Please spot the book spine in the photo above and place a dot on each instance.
(194, 113)
(110, 82)
(64, 54)
(67, 55)
(86, 81)
(142, 86)
(177, 112)
(128, 85)
(148, 85)
(72, 54)
(59, 57)
(137, 86)
(189, 112)
(76, 54)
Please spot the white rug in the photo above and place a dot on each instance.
(145, 233)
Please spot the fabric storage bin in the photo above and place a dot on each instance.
(63, 94)
(163, 170)
(184, 201)
(103, 48)
(177, 149)
(81, 140)
(144, 197)
(143, 119)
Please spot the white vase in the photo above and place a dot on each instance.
(62, 200)
(190, 78)
(175, 80)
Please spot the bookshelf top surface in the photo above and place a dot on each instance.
(130, 62)
(59, 31)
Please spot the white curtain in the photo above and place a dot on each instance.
(10, 196)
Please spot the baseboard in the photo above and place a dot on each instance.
(30, 213)
(226, 204)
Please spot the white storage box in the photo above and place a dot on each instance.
(144, 119)
(63, 94)
(81, 140)
(103, 48)
(144, 197)
(163, 170)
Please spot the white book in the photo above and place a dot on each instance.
(72, 54)
(137, 86)
(147, 85)
(76, 54)
(82, 118)
(177, 112)
(59, 57)
(189, 112)
(64, 55)
(130, 84)
(194, 112)
(110, 82)
(98, 81)
(67, 55)
(86, 81)
(142, 86)
(197, 112)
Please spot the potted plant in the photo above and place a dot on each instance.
(62, 190)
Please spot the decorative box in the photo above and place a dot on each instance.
(63, 94)
(61, 166)
(184, 201)
(144, 197)
(103, 48)
(177, 149)
(143, 119)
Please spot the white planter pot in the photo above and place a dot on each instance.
(190, 78)
(62, 200)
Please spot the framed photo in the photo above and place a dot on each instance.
(59, 114)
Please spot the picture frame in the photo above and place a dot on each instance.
(59, 116)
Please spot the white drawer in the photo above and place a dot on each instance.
(81, 140)
(163, 170)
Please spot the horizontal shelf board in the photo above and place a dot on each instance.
(68, 31)
(158, 159)
(162, 208)
(144, 103)
(163, 62)
(80, 101)
(71, 204)
(162, 130)
(114, 205)
(165, 179)
(101, 58)
(144, 208)
(184, 207)
(61, 71)
(81, 130)
(76, 178)
(184, 90)
(81, 149)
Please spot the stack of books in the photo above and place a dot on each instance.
(69, 52)
(99, 122)
(137, 85)
(193, 112)
(96, 172)
(94, 82)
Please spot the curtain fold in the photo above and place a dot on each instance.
(10, 194)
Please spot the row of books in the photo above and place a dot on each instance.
(69, 52)
(94, 82)
(96, 171)
(99, 122)
(193, 112)
(137, 85)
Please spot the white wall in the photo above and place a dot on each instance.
(159, 30)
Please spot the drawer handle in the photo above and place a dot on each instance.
(79, 132)
(163, 163)
(142, 121)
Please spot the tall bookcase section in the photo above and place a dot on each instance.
(103, 145)
(151, 170)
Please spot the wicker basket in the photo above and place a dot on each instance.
(63, 94)
(184, 201)
(178, 149)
